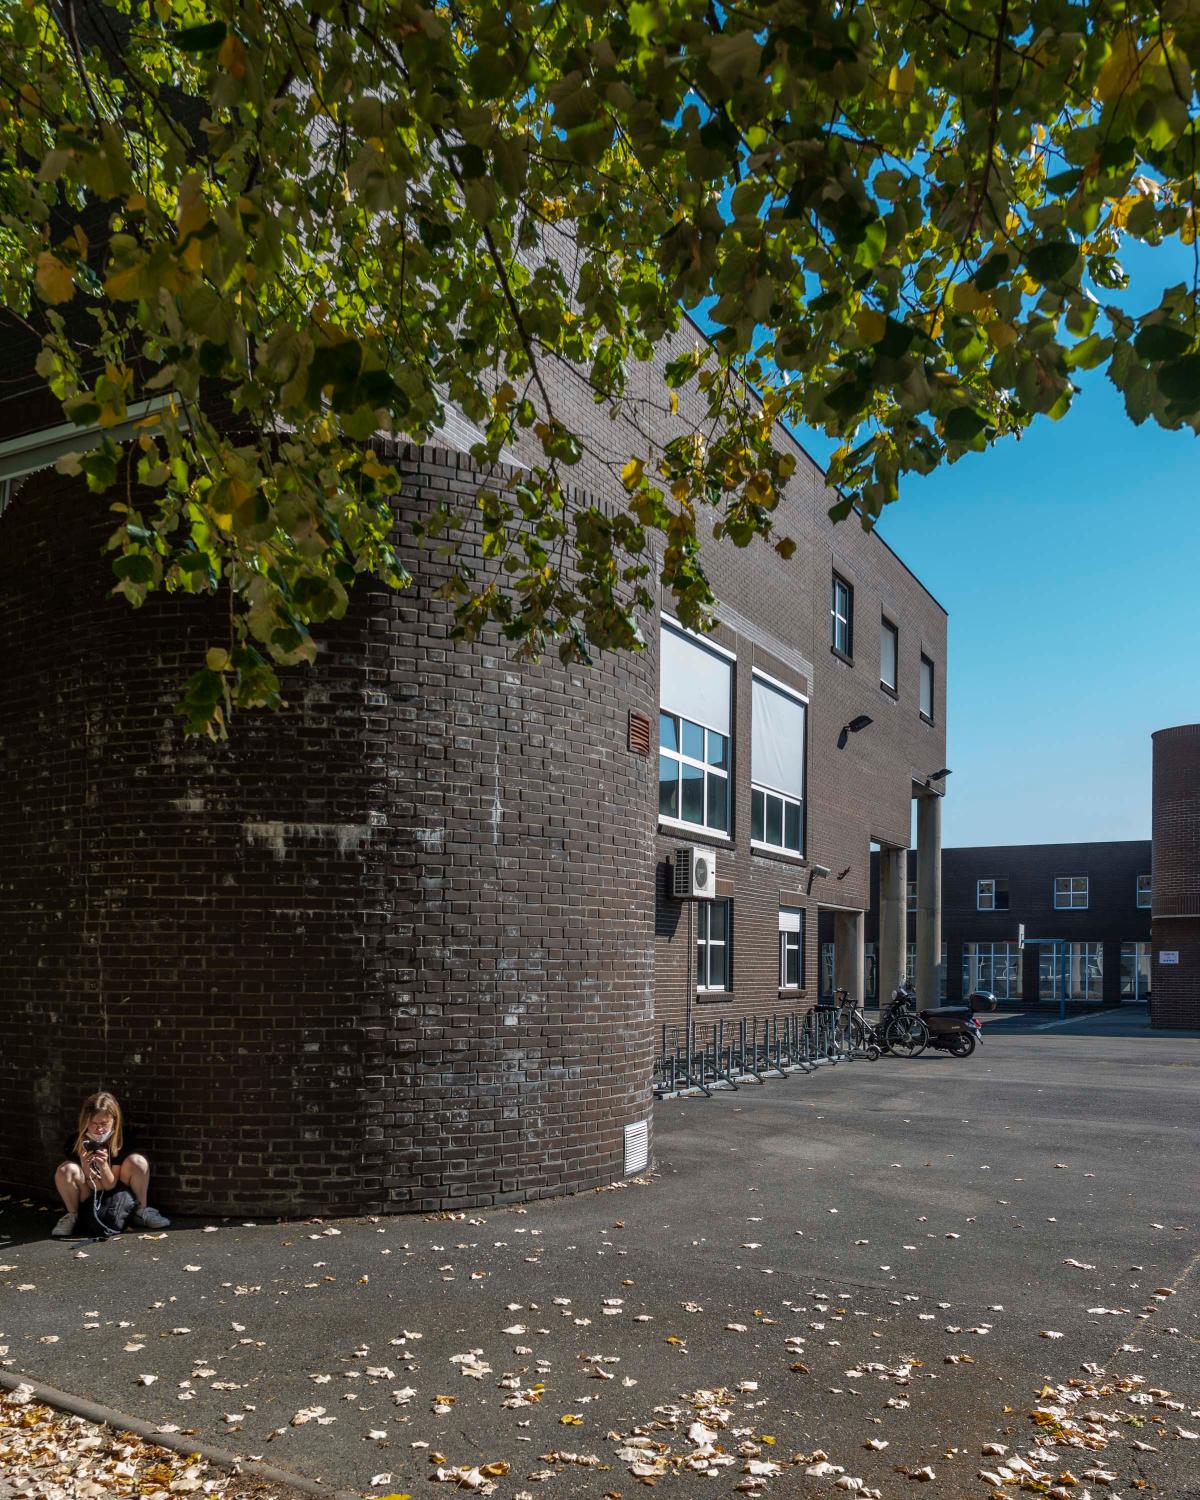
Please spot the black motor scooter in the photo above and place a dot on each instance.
(953, 1028)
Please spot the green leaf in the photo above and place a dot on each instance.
(1179, 381)
(205, 38)
(964, 424)
(1051, 260)
(1159, 341)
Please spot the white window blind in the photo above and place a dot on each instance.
(694, 682)
(789, 919)
(777, 741)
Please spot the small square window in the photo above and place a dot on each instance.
(991, 893)
(1145, 890)
(1070, 892)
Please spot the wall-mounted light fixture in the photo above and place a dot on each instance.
(855, 724)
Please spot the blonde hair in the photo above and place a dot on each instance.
(92, 1105)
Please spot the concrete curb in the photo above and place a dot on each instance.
(93, 1411)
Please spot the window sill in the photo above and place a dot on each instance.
(799, 993)
(925, 719)
(786, 856)
(841, 656)
(892, 693)
(713, 997)
(696, 830)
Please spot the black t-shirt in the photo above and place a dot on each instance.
(115, 1158)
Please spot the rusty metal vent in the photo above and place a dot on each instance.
(639, 732)
(637, 1147)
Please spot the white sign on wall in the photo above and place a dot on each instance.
(1168, 956)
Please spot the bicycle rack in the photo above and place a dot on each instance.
(722, 1056)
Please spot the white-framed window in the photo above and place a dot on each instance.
(1135, 971)
(695, 694)
(1084, 976)
(889, 654)
(841, 615)
(791, 947)
(912, 895)
(992, 966)
(1145, 890)
(712, 945)
(778, 733)
(991, 893)
(927, 687)
(1070, 892)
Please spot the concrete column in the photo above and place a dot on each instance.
(893, 920)
(849, 928)
(929, 897)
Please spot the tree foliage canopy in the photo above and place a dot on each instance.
(308, 223)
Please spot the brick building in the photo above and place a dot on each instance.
(407, 945)
(1089, 904)
(1176, 911)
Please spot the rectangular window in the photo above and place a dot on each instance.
(1135, 971)
(1084, 976)
(991, 893)
(926, 687)
(871, 971)
(777, 755)
(912, 895)
(841, 616)
(791, 947)
(992, 966)
(1070, 892)
(1144, 890)
(712, 945)
(694, 723)
(826, 970)
(889, 654)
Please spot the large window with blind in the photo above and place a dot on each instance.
(694, 730)
(777, 756)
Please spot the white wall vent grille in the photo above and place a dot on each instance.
(637, 1147)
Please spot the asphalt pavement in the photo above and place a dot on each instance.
(909, 1254)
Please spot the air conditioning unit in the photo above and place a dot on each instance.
(694, 875)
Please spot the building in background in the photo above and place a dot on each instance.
(1176, 909)
(1085, 910)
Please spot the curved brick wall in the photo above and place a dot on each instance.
(1175, 994)
(389, 950)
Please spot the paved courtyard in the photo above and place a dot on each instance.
(870, 1274)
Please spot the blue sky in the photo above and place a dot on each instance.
(1068, 562)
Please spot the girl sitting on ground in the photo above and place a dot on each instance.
(101, 1164)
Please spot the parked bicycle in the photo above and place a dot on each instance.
(856, 1036)
(902, 1030)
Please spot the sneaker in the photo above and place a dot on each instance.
(149, 1218)
(65, 1228)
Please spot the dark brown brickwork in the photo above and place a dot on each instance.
(392, 949)
(1176, 815)
(1112, 915)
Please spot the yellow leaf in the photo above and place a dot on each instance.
(55, 279)
(1001, 334)
(1121, 68)
(1187, 230)
(494, 1470)
(967, 298)
(232, 56)
(569, 1419)
(216, 659)
(902, 80)
(123, 285)
(632, 473)
(192, 214)
(870, 324)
